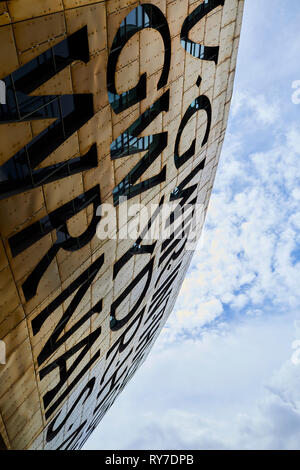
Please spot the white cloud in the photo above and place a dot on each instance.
(221, 374)
(266, 112)
(205, 313)
(209, 392)
(252, 228)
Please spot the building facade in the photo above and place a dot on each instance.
(112, 119)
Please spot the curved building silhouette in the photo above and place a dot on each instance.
(112, 119)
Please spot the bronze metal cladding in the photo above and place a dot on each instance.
(119, 103)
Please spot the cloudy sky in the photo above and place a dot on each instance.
(225, 371)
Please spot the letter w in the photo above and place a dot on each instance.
(69, 112)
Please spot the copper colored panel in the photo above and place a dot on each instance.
(9, 295)
(60, 84)
(9, 322)
(62, 191)
(69, 149)
(94, 16)
(13, 137)
(4, 14)
(91, 78)
(176, 13)
(4, 442)
(20, 10)
(36, 36)
(3, 257)
(78, 3)
(118, 5)
(152, 58)
(21, 210)
(8, 54)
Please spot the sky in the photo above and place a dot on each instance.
(225, 371)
